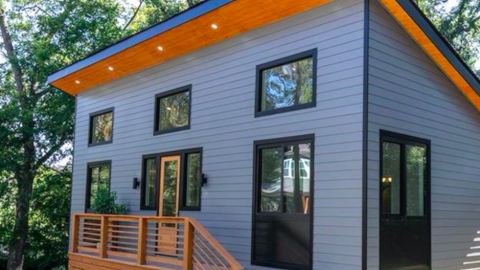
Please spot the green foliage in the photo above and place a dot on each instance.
(49, 219)
(105, 203)
(36, 120)
(460, 26)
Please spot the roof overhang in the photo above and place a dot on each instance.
(180, 35)
(192, 30)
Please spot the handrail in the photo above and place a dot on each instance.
(176, 241)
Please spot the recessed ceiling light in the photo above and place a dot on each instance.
(214, 26)
(110, 68)
(160, 48)
(77, 81)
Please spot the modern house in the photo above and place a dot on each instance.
(311, 134)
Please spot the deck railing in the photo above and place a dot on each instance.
(164, 242)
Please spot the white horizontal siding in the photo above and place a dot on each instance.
(408, 94)
(223, 123)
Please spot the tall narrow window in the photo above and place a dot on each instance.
(192, 180)
(101, 127)
(283, 200)
(173, 110)
(287, 84)
(149, 184)
(98, 178)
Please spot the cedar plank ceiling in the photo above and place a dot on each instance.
(234, 18)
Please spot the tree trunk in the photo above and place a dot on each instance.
(25, 176)
(18, 242)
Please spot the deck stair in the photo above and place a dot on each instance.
(473, 259)
(111, 242)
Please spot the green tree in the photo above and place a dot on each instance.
(460, 26)
(48, 235)
(36, 121)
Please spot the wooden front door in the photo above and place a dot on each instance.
(168, 203)
(404, 203)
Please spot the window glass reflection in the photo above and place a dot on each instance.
(391, 178)
(416, 165)
(287, 85)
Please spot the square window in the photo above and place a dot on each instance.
(101, 127)
(173, 110)
(287, 84)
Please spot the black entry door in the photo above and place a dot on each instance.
(404, 202)
(282, 220)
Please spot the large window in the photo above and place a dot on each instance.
(283, 203)
(285, 178)
(98, 177)
(404, 175)
(172, 111)
(190, 179)
(287, 84)
(101, 127)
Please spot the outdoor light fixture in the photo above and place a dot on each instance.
(136, 183)
(204, 179)
(110, 68)
(160, 48)
(77, 81)
(214, 26)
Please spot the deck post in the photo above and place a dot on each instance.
(188, 245)
(75, 229)
(103, 236)
(142, 240)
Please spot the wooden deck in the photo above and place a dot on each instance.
(109, 242)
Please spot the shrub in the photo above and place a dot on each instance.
(104, 203)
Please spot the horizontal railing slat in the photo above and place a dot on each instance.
(177, 241)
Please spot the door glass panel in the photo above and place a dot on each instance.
(290, 193)
(271, 180)
(416, 163)
(170, 188)
(304, 184)
(391, 178)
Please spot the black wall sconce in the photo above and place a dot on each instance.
(204, 179)
(136, 183)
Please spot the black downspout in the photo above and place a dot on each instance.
(366, 48)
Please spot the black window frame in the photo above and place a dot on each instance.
(158, 97)
(271, 143)
(404, 140)
(183, 170)
(88, 191)
(90, 132)
(313, 53)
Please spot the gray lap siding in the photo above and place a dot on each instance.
(223, 123)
